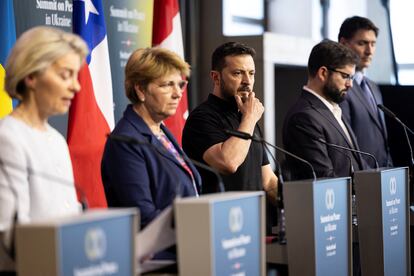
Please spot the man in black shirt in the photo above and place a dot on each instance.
(232, 105)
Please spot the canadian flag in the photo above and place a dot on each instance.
(167, 34)
(91, 116)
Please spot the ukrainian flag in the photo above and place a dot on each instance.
(7, 39)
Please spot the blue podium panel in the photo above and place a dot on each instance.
(97, 248)
(236, 233)
(318, 226)
(331, 226)
(97, 242)
(383, 224)
(394, 221)
(221, 234)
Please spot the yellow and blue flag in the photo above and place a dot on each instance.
(7, 39)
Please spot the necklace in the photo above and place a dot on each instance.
(19, 114)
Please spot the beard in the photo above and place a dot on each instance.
(243, 91)
(332, 93)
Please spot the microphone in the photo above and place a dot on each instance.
(212, 170)
(10, 237)
(61, 181)
(406, 130)
(280, 201)
(391, 114)
(351, 166)
(247, 136)
(281, 214)
(321, 140)
(132, 141)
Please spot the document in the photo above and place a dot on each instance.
(157, 236)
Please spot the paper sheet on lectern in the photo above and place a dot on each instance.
(157, 236)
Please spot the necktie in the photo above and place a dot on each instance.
(366, 92)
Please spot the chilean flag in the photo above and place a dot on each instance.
(167, 34)
(91, 116)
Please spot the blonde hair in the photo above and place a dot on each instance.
(34, 51)
(148, 64)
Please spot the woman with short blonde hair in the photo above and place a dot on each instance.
(146, 65)
(151, 173)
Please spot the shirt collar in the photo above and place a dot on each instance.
(333, 107)
(224, 104)
(359, 75)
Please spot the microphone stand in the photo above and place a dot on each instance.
(281, 216)
(391, 114)
(247, 136)
(11, 249)
(220, 182)
(281, 221)
(132, 141)
(31, 172)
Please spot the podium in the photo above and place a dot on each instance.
(318, 226)
(382, 199)
(221, 234)
(98, 242)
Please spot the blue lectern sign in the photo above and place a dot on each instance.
(97, 248)
(393, 193)
(236, 232)
(331, 213)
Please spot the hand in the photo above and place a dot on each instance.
(251, 107)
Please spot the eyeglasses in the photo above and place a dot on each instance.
(344, 75)
(171, 84)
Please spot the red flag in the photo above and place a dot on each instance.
(167, 34)
(91, 115)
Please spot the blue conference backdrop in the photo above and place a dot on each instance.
(128, 24)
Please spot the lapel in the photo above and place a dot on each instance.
(182, 153)
(143, 130)
(324, 111)
(358, 93)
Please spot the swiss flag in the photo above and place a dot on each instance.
(91, 115)
(167, 34)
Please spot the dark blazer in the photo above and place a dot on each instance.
(369, 130)
(317, 120)
(146, 176)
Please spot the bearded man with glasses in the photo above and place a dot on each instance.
(316, 114)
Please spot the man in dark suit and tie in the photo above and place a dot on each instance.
(360, 105)
(316, 114)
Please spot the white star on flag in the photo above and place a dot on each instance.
(89, 8)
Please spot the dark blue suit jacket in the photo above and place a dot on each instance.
(369, 130)
(145, 176)
(317, 120)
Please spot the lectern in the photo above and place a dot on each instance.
(382, 199)
(98, 242)
(318, 226)
(221, 234)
